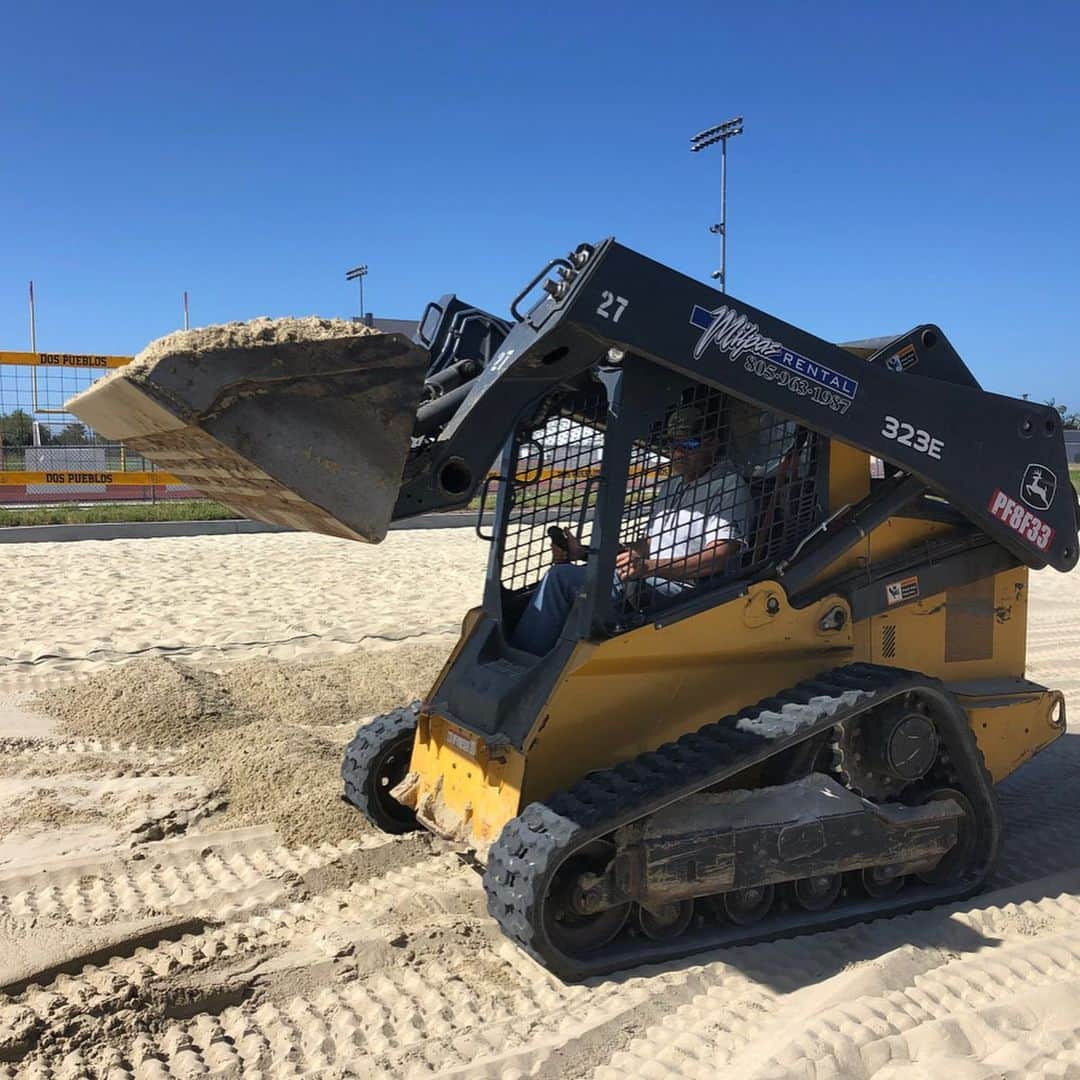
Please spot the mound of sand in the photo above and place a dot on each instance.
(42, 808)
(246, 335)
(256, 732)
(161, 702)
(148, 702)
(282, 774)
(343, 690)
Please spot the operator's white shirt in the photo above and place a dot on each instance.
(690, 516)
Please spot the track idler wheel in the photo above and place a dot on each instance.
(744, 907)
(816, 893)
(376, 761)
(570, 927)
(665, 922)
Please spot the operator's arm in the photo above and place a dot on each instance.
(710, 560)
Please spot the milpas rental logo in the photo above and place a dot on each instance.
(731, 332)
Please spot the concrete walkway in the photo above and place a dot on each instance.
(136, 530)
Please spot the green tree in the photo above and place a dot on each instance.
(17, 428)
(73, 434)
(1069, 420)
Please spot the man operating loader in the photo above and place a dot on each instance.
(698, 520)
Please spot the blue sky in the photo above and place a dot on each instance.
(901, 163)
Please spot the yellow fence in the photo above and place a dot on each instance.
(74, 360)
(81, 370)
(135, 479)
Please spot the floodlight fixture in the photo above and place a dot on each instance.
(720, 133)
(357, 273)
(714, 134)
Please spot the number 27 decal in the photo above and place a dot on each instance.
(908, 435)
(606, 300)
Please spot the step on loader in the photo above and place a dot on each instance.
(751, 654)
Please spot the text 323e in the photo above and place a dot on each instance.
(908, 435)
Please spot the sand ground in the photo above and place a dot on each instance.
(181, 894)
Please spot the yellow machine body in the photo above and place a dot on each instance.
(634, 692)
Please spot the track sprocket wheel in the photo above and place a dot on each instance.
(881, 754)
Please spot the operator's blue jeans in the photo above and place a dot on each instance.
(541, 622)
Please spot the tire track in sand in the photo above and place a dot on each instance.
(192, 874)
(405, 975)
(386, 961)
(857, 1013)
(401, 974)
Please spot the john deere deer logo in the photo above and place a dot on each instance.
(1038, 487)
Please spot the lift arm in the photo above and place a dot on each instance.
(1000, 461)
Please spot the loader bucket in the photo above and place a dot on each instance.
(297, 422)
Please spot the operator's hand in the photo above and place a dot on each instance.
(574, 550)
(630, 565)
(577, 550)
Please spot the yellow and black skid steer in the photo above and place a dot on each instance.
(751, 653)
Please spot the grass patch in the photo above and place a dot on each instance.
(189, 510)
(173, 510)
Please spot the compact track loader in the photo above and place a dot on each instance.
(751, 653)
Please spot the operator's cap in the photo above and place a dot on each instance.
(685, 422)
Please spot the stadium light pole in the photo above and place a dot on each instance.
(358, 273)
(33, 321)
(709, 137)
(36, 436)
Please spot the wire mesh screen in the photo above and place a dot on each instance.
(48, 455)
(36, 431)
(715, 489)
(556, 484)
(54, 385)
(718, 488)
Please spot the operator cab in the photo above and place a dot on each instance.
(605, 457)
(667, 473)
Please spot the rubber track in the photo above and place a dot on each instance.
(532, 846)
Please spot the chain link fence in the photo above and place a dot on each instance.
(49, 456)
(1072, 448)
